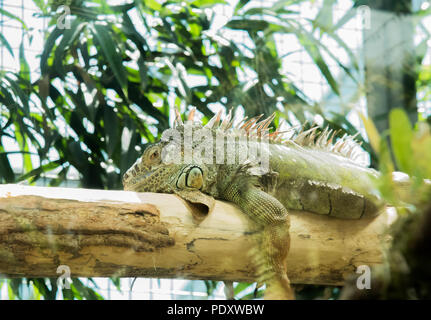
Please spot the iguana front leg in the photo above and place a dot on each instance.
(266, 211)
(272, 216)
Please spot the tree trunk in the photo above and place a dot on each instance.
(390, 61)
(99, 233)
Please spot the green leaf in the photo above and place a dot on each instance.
(315, 54)
(41, 5)
(259, 294)
(263, 11)
(421, 50)
(41, 169)
(104, 39)
(13, 17)
(22, 142)
(117, 283)
(422, 151)
(83, 48)
(68, 294)
(49, 44)
(372, 132)
(240, 5)
(69, 36)
(207, 3)
(401, 134)
(143, 73)
(14, 286)
(346, 48)
(386, 168)
(40, 285)
(12, 290)
(324, 18)
(240, 287)
(85, 292)
(112, 127)
(4, 42)
(20, 93)
(247, 24)
(24, 67)
(344, 19)
(153, 4)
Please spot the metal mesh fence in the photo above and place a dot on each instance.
(296, 62)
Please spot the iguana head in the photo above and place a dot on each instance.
(164, 167)
(156, 171)
(151, 173)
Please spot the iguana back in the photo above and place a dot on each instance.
(322, 182)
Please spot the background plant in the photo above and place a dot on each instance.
(107, 85)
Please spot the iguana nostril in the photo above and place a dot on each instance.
(194, 178)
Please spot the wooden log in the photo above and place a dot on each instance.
(100, 233)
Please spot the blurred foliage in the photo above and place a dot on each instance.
(46, 288)
(412, 152)
(304, 292)
(399, 6)
(107, 85)
(406, 272)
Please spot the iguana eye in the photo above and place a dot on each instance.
(152, 156)
(194, 178)
(191, 177)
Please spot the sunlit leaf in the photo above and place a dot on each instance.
(24, 67)
(324, 18)
(42, 169)
(401, 134)
(421, 147)
(109, 49)
(13, 17)
(5, 43)
(69, 36)
(247, 24)
(372, 132)
(48, 46)
(207, 3)
(315, 54)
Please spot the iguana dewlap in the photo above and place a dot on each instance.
(309, 172)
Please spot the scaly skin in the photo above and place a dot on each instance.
(321, 182)
(307, 172)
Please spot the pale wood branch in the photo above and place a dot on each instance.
(100, 233)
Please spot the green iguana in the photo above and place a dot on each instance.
(309, 171)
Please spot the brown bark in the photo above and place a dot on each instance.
(99, 233)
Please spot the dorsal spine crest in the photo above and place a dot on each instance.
(254, 128)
